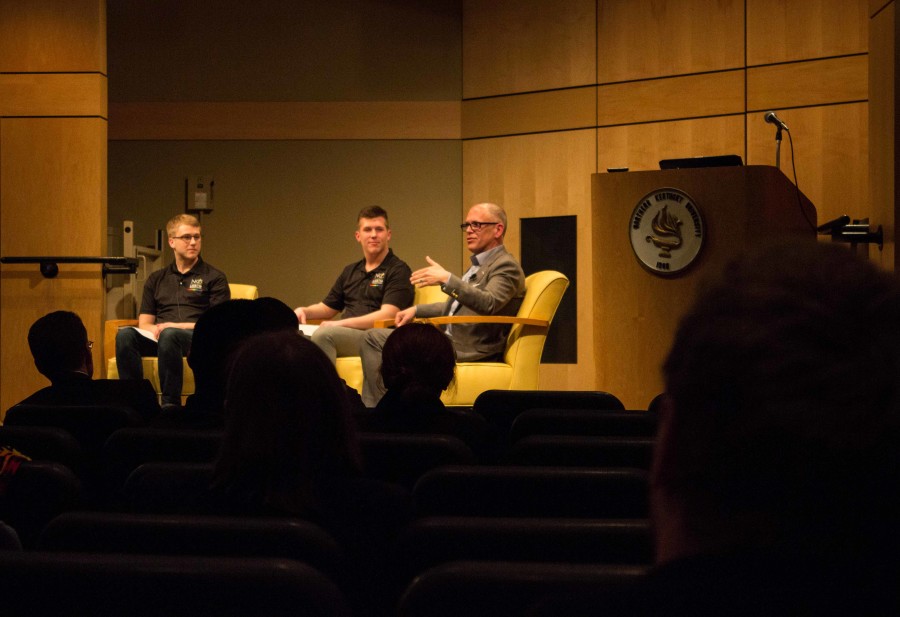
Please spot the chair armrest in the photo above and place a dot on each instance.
(110, 327)
(471, 319)
(476, 319)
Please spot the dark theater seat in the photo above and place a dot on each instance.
(532, 492)
(578, 451)
(211, 536)
(431, 541)
(506, 589)
(78, 584)
(36, 493)
(501, 407)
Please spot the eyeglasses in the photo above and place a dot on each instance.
(187, 237)
(475, 225)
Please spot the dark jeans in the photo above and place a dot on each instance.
(173, 345)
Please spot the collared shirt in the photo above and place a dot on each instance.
(476, 260)
(172, 296)
(467, 277)
(357, 292)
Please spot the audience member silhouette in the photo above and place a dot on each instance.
(218, 332)
(776, 471)
(418, 363)
(290, 448)
(62, 353)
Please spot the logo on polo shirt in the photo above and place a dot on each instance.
(196, 285)
(377, 280)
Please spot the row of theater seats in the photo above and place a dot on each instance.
(78, 570)
(441, 472)
(561, 509)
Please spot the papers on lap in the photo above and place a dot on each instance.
(308, 329)
(144, 333)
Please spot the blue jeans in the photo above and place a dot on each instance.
(172, 346)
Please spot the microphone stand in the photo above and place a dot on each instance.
(778, 148)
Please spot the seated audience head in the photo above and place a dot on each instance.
(59, 344)
(220, 330)
(419, 361)
(780, 423)
(287, 425)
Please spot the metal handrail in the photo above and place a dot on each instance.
(49, 266)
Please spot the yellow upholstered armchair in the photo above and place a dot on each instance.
(151, 371)
(521, 362)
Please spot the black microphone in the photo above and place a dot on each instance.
(771, 118)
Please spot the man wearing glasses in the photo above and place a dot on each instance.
(62, 353)
(173, 300)
(493, 285)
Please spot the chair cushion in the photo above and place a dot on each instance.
(473, 378)
(350, 370)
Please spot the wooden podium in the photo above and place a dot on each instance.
(636, 307)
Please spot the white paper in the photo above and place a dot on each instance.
(308, 329)
(143, 333)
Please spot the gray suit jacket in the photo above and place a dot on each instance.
(498, 289)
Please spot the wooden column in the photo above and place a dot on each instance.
(53, 133)
(883, 26)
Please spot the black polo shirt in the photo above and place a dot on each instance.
(175, 297)
(357, 292)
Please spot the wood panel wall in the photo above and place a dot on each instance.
(883, 129)
(52, 172)
(671, 78)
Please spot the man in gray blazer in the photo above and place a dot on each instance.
(493, 285)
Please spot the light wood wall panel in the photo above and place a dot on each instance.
(55, 36)
(542, 175)
(53, 155)
(814, 82)
(831, 152)
(787, 30)
(555, 110)
(524, 45)
(52, 202)
(692, 96)
(640, 40)
(53, 94)
(680, 78)
(54, 185)
(883, 131)
(285, 120)
(641, 146)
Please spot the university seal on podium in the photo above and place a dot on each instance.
(666, 231)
